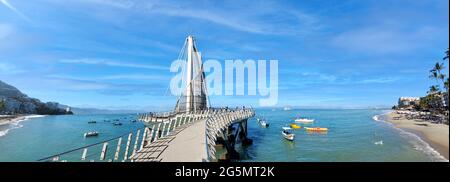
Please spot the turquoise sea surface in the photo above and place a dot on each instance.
(354, 135)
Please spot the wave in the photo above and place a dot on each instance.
(421, 145)
(377, 118)
(16, 124)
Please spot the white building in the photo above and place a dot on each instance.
(407, 102)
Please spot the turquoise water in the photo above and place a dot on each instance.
(351, 137)
(36, 138)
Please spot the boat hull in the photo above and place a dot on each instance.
(304, 120)
(294, 126)
(289, 137)
(316, 129)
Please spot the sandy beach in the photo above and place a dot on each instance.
(6, 119)
(436, 135)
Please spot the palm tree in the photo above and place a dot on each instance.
(436, 73)
(439, 67)
(446, 55)
(441, 77)
(433, 89)
(446, 86)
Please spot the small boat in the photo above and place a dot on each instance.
(316, 129)
(379, 142)
(92, 122)
(295, 126)
(90, 134)
(262, 122)
(287, 134)
(117, 124)
(304, 120)
(287, 108)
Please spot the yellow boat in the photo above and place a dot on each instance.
(295, 126)
(316, 129)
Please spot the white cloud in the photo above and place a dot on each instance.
(133, 77)
(378, 80)
(254, 17)
(5, 31)
(12, 8)
(111, 77)
(385, 39)
(319, 76)
(6, 68)
(112, 63)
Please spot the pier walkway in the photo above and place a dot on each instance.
(186, 137)
(193, 141)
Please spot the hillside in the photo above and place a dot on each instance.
(13, 101)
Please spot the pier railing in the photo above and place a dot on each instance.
(101, 151)
(122, 148)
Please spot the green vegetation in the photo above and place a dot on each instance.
(429, 102)
(433, 89)
(2, 104)
(437, 74)
(437, 99)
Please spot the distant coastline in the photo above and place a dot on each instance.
(436, 135)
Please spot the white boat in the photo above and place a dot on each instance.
(304, 120)
(287, 134)
(287, 108)
(90, 134)
(379, 142)
(262, 122)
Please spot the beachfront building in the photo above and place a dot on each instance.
(408, 102)
(446, 99)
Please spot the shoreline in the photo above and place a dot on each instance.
(13, 121)
(435, 135)
(8, 119)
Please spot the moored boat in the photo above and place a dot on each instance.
(287, 134)
(92, 122)
(304, 120)
(316, 129)
(295, 126)
(91, 134)
(117, 124)
(262, 122)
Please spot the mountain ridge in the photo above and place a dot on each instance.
(13, 101)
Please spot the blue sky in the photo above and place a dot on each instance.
(116, 54)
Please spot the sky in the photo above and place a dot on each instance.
(116, 54)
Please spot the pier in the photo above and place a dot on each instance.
(192, 132)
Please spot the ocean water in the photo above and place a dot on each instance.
(41, 137)
(351, 137)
